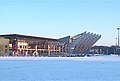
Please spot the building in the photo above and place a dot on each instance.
(104, 50)
(82, 43)
(4, 46)
(22, 45)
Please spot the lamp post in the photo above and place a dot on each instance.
(116, 47)
(118, 36)
(118, 50)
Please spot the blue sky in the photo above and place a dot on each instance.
(59, 18)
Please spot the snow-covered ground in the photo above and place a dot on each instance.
(100, 68)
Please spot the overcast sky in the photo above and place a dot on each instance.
(59, 18)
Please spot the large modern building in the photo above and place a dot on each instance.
(38, 46)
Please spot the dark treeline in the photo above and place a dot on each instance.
(104, 50)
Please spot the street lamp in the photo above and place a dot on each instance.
(118, 36)
(116, 41)
(118, 50)
(116, 46)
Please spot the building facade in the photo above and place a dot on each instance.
(23, 45)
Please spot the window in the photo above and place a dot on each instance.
(6, 50)
(6, 46)
(1, 47)
(20, 46)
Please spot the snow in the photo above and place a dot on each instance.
(100, 68)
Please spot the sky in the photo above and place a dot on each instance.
(60, 18)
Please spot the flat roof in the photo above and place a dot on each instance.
(27, 36)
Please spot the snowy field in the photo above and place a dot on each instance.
(100, 68)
